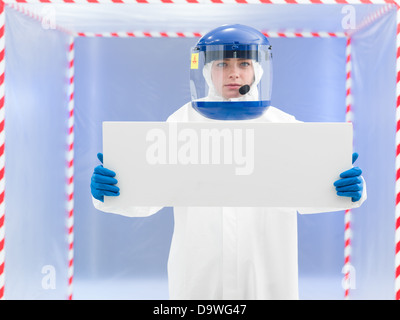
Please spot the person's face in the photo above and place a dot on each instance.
(228, 75)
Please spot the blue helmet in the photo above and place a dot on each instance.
(231, 73)
(236, 41)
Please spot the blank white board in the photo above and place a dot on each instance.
(227, 164)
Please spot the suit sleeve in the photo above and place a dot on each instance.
(130, 211)
(352, 205)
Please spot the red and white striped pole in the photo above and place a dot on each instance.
(397, 208)
(347, 268)
(280, 2)
(304, 34)
(147, 34)
(2, 154)
(70, 167)
(140, 34)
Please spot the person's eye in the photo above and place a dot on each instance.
(221, 64)
(245, 64)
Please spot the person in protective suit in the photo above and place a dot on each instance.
(230, 252)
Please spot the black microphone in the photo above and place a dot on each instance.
(244, 89)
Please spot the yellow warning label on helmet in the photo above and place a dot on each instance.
(194, 64)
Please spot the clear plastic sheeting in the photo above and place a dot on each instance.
(375, 128)
(147, 79)
(36, 127)
(199, 17)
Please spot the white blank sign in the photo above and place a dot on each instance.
(227, 163)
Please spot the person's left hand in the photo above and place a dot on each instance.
(351, 184)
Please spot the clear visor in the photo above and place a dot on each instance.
(231, 74)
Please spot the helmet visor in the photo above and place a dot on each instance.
(231, 76)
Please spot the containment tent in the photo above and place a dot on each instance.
(68, 66)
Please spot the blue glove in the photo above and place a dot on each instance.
(351, 184)
(103, 182)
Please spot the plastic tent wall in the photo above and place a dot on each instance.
(129, 61)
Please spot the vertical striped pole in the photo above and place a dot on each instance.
(397, 188)
(2, 154)
(70, 167)
(347, 213)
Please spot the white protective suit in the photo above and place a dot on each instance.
(230, 253)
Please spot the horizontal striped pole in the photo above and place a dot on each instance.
(161, 34)
(209, 1)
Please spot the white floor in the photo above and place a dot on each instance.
(327, 288)
(157, 289)
(136, 289)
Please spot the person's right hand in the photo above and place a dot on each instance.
(103, 182)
